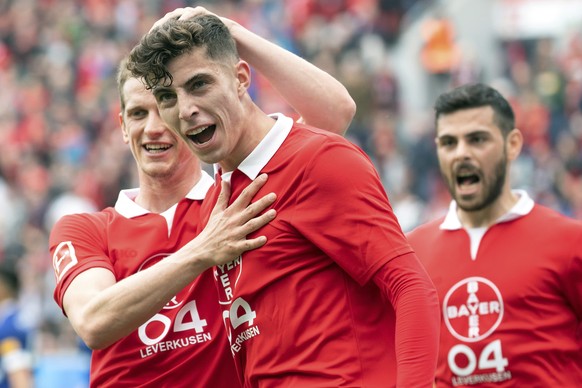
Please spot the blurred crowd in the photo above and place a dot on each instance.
(64, 152)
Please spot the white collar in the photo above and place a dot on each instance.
(252, 165)
(127, 207)
(523, 206)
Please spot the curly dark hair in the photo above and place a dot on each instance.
(149, 58)
(474, 96)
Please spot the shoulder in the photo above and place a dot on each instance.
(81, 218)
(313, 136)
(426, 230)
(83, 222)
(554, 221)
(314, 144)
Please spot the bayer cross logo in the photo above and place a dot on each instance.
(473, 309)
(228, 276)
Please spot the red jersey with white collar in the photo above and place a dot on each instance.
(185, 344)
(301, 311)
(511, 298)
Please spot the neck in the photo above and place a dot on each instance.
(158, 195)
(257, 127)
(489, 215)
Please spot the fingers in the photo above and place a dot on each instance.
(253, 225)
(182, 14)
(254, 243)
(225, 235)
(242, 204)
(190, 12)
(170, 15)
(257, 207)
(258, 222)
(223, 197)
(249, 192)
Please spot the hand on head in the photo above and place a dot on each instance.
(183, 14)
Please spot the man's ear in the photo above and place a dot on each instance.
(514, 144)
(123, 130)
(243, 75)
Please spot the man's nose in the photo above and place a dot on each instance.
(187, 108)
(155, 124)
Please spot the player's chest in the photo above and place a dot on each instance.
(135, 248)
(503, 273)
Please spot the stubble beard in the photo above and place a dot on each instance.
(492, 189)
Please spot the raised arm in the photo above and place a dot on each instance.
(320, 99)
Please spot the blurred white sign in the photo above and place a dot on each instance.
(524, 19)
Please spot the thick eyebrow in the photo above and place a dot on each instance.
(133, 108)
(206, 77)
(187, 84)
(445, 136)
(476, 132)
(442, 138)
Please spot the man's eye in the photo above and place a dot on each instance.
(198, 85)
(165, 97)
(136, 114)
(446, 142)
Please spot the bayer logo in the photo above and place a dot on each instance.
(473, 309)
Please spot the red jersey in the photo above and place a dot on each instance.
(185, 344)
(301, 311)
(511, 298)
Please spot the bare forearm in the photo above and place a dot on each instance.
(320, 99)
(102, 310)
(117, 310)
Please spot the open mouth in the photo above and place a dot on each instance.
(156, 148)
(467, 179)
(202, 135)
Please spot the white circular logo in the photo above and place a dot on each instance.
(227, 276)
(473, 309)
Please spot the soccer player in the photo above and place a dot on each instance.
(121, 274)
(336, 297)
(508, 271)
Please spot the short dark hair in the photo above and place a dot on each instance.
(475, 96)
(148, 60)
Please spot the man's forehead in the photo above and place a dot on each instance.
(134, 90)
(467, 120)
(193, 57)
(134, 85)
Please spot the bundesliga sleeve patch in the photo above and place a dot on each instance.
(64, 259)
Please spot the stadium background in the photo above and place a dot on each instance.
(63, 152)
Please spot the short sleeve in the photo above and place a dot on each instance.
(76, 244)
